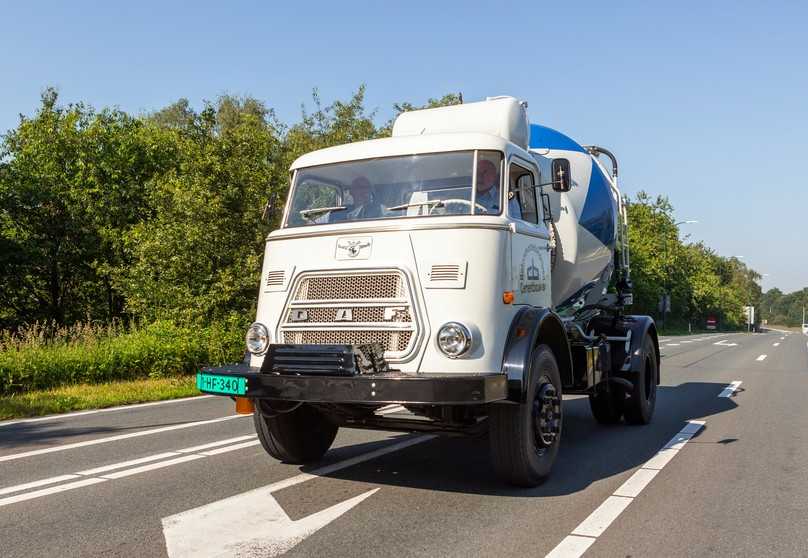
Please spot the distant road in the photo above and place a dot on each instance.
(721, 471)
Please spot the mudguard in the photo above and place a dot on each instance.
(532, 326)
(640, 326)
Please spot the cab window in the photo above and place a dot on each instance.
(522, 195)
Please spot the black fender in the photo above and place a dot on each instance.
(532, 326)
(639, 326)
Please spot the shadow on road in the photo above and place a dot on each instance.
(589, 451)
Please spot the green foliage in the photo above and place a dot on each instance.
(40, 357)
(700, 282)
(784, 309)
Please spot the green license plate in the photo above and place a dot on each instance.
(231, 385)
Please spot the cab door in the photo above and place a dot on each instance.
(530, 242)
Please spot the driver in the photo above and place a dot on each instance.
(364, 205)
(487, 186)
(487, 194)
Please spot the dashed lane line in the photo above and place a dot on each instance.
(730, 389)
(776, 345)
(108, 439)
(761, 357)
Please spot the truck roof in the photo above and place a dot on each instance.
(404, 145)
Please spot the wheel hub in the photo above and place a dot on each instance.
(546, 415)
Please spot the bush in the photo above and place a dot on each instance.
(42, 356)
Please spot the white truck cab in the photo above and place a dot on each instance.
(419, 270)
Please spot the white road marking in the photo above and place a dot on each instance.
(671, 344)
(48, 491)
(587, 532)
(776, 345)
(116, 438)
(761, 357)
(264, 527)
(123, 464)
(390, 409)
(194, 449)
(730, 389)
(36, 484)
(687, 341)
(152, 466)
(105, 410)
(219, 451)
(725, 343)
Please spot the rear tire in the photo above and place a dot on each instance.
(639, 407)
(525, 437)
(297, 437)
(607, 404)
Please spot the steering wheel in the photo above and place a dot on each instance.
(447, 202)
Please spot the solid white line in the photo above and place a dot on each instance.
(730, 389)
(47, 491)
(153, 466)
(776, 345)
(104, 410)
(636, 482)
(194, 449)
(235, 447)
(671, 344)
(571, 547)
(600, 519)
(36, 484)
(586, 533)
(122, 464)
(116, 438)
(761, 357)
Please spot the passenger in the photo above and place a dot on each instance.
(488, 190)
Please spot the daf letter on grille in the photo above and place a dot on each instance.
(344, 315)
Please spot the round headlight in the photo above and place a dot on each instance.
(257, 338)
(454, 339)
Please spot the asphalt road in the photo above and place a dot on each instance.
(721, 471)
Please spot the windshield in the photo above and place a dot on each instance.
(391, 187)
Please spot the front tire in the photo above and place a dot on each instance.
(299, 436)
(525, 437)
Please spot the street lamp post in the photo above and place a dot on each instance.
(666, 285)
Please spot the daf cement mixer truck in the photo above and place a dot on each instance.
(471, 270)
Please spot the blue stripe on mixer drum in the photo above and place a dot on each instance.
(597, 215)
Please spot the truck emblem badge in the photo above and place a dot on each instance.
(299, 316)
(395, 314)
(353, 248)
(344, 315)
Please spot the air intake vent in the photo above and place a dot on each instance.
(278, 279)
(446, 276)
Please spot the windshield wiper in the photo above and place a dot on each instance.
(307, 213)
(436, 203)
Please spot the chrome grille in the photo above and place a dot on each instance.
(394, 341)
(351, 287)
(352, 308)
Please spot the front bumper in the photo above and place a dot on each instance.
(386, 388)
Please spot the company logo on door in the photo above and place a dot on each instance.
(532, 277)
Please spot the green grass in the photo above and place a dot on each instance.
(95, 396)
(41, 357)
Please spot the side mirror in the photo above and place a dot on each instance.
(562, 176)
(268, 214)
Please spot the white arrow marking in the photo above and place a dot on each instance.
(724, 343)
(249, 524)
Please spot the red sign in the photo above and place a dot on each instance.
(711, 322)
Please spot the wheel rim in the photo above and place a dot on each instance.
(546, 415)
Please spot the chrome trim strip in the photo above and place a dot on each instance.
(281, 234)
(349, 326)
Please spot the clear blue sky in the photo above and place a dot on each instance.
(705, 102)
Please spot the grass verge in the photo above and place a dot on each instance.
(95, 396)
